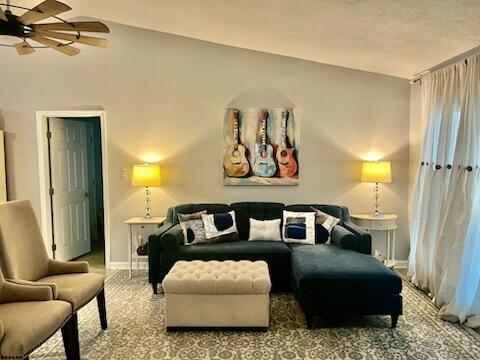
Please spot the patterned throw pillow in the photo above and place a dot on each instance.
(220, 227)
(324, 224)
(265, 230)
(299, 227)
(193, 229)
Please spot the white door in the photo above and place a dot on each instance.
(69, 179)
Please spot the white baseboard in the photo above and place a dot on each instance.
(401, 264)
(123, 265)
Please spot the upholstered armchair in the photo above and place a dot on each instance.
(24, 260)
(30, 315)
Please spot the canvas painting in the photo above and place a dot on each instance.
(260, 147)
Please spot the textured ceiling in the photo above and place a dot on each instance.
(394, 37)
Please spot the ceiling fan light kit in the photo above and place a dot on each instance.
(58, 35)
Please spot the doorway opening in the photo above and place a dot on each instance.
(74, 211)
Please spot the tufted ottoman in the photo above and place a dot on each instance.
(217, 294)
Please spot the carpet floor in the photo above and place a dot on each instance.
(136, 331)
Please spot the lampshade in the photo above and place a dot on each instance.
(376, 172)
(146, 175)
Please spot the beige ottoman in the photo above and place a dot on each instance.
(217, 294)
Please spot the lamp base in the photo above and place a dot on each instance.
(376, 197)
(147, 203)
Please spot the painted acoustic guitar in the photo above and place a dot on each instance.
(263, 163)
(287, 165)
(235, 161)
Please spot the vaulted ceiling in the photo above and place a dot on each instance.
(399, 38)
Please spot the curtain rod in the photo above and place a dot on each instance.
(450, 61)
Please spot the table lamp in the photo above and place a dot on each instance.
(376, 172)
(146, 175)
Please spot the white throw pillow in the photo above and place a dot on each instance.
(299, 227)
(265, 230)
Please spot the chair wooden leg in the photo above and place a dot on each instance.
(70, 338)
(309, 319)
(102, 311)
(394, 321)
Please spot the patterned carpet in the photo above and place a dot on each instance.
(136, 331)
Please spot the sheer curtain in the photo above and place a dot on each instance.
(445, 218)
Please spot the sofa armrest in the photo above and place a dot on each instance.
(154, 250)
(344, 238)
(172, 238)
(365, 239)
(13, 292)
(57, 267)
(155, 237)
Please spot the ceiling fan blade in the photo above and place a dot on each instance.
(65, 49)
(44, 10)
(2, 15)
(24, 48)
(88, 26)
(87, 40)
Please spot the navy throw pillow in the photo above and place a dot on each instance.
(321, 234)
(296, 231)
(223, 221)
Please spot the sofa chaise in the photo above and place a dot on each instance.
(328, 279)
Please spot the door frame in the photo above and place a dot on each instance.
(43, 163)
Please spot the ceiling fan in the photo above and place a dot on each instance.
(25, 27)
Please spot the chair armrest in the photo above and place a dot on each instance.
(154, 250)
(365, 239)
(344, 238)
(56, 267)
(172, 238)
(12, 292)
(33, 283)
(2, 331)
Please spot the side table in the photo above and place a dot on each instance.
(382, 222)
(135, 224)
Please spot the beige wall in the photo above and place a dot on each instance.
(164, 96)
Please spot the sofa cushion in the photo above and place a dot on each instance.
(28, 324)
(77, 289)
(193, 208)
(327, 270)
(334, 210)
(275, 253)
(256, 210)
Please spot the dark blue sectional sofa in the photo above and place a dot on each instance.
(328, 279)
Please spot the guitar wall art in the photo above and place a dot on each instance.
(260, 147)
